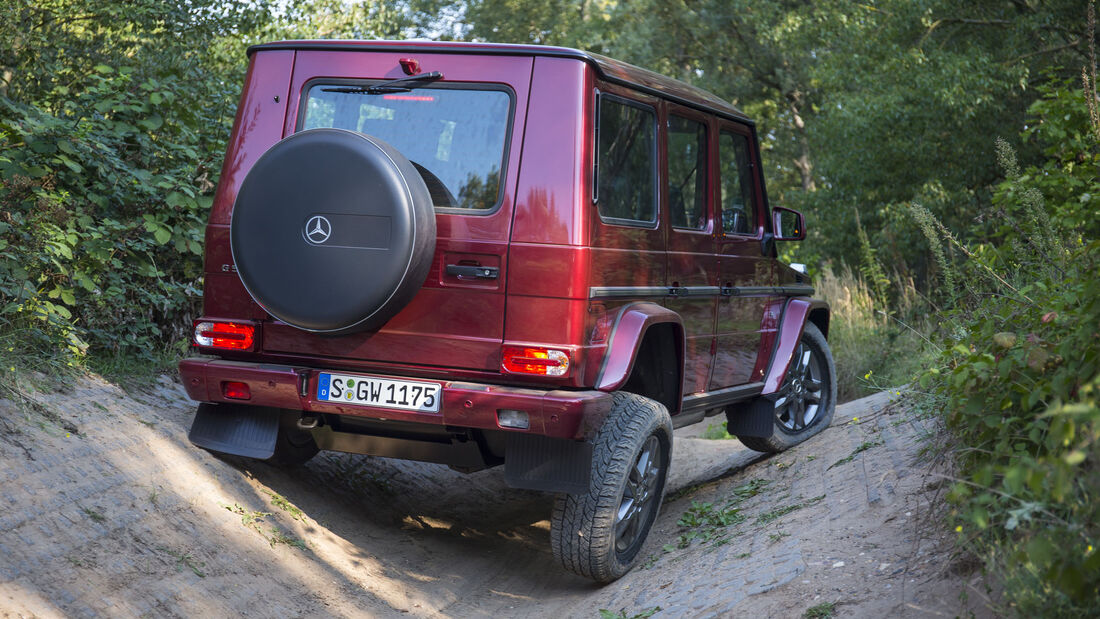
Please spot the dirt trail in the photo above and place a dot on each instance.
(107, 510)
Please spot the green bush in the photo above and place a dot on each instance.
(1020, 378)
(102, 226)
(113, 117)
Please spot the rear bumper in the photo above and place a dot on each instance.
(556, 414)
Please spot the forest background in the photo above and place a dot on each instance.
(947, 157)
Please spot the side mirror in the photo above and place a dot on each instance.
(789, 225)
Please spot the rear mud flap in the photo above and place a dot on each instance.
(756, 418)
(248, 431)
(547, 464)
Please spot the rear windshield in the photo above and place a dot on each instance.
(455, 137)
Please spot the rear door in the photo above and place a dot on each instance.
(745, 274)
(464, 134)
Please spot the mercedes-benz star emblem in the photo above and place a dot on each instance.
(318, 229)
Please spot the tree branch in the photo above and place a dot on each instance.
(1049, 50)
(960, 20)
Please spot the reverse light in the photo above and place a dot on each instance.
(226, 335)
(234, 390)
(538, 361)
(513, 419)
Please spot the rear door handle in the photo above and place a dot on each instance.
(477, 272)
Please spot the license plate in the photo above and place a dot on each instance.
(378, 392)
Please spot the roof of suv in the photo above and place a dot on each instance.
(609, 69)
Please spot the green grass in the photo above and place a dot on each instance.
(823, 610)
(280, 501)
(873, 351)
(707, 522)
(93, 514)
(273, 534)
(716, 432)
(779, 512)
(185, 559)
(645, 614)
(132, 370)
(858, 450)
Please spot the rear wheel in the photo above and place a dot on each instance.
(599, 534)
(806, 400)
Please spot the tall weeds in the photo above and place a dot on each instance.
(874, 347)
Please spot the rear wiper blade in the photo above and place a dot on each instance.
(401, 85)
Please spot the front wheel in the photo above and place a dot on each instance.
(599, 534)
(806, 400)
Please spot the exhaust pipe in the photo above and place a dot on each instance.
(309, 421)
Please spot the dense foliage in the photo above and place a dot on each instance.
(113, 120)
(1020, 379)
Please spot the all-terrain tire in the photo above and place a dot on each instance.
(630, 461)
(811, 384)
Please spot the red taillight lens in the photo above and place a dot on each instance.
(540, 361)
(227, 335)
(236, 391)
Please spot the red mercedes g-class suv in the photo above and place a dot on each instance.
(483, 255)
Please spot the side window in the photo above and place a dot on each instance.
(738, 212)
(687, 173)
(626, 163)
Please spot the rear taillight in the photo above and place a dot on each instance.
(225, 335)
(538, 361)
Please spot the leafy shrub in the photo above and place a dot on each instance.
(1020, 378)
(101, 238)
(111, 116)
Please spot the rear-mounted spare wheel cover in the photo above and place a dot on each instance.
(333, 231)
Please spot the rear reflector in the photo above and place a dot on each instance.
(539, 361)
(236, 391)
(226, 335)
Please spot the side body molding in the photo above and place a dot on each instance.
(626, 339)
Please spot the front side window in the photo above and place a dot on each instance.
(687, 173)
(626, 162)
(455, 137)
(738, 212)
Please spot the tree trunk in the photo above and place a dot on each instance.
(803, 163)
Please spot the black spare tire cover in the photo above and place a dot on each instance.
(333, 231)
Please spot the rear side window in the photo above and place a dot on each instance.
(738, 212)
(456, 138)
(626, 162)
(687, 173)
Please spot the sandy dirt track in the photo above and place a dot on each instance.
(107, 510)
